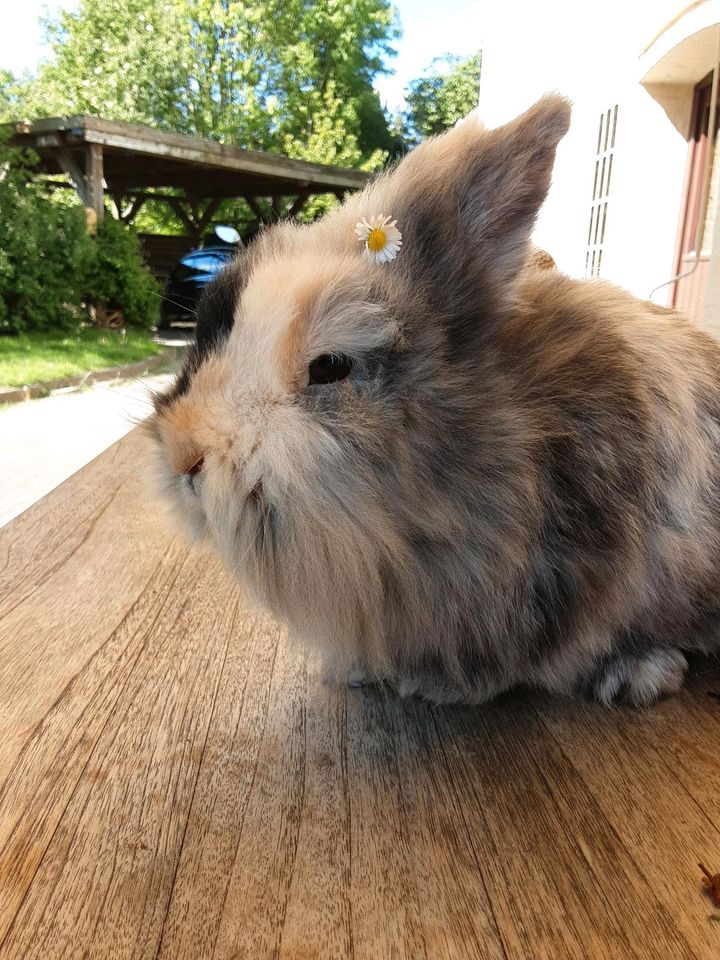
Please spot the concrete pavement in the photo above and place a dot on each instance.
(43, 442)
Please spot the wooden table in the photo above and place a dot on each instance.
(177, 782)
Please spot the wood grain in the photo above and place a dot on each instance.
(177, 782)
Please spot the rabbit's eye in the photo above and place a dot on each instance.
(192, 475)
(329, 368)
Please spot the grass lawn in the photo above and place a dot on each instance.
(38, 357)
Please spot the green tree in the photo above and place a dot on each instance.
(447, 91)
(259, 73)
(118, 60)
(12, 93)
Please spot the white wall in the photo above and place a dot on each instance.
(590, 52)
(646, 196)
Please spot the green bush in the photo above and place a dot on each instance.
(53, 276)
(43, 252)
(116, 282)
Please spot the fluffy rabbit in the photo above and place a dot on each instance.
(443, 467)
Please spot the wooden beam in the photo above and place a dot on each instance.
(261, 215)
(70, 167)
(297, 204)
(187, 219)
(180, 153)
(117, 205)
(132, 210)
(194, 204)
(275, 206)
(178, 146)
(94, 179)
(207, 216)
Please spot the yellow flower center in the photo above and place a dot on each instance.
(376, 240)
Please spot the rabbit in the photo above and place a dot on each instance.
(446, 470)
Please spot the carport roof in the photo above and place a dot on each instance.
(137, 158)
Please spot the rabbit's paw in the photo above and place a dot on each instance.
(439, 691)
(638, 678)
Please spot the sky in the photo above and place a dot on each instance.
(21, 37)
(430, 29)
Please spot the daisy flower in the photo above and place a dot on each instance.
(381, 237)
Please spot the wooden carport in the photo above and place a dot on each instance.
(132, 164)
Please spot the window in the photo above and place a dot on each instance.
(604, 154)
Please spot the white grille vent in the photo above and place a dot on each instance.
(601, 191)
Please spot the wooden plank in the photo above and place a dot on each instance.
(227, 776)
(558, 872)
(207, 215)
(94, 180)
(131, 211)
(41, 540)
(178, 782)
(297, 204)
(187, 221)
(77, 176)
(415, 860)
(151, 142)
(130, 806)
(137, 157)
(263, 216)
(623, 760)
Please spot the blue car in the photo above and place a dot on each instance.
(194, 271)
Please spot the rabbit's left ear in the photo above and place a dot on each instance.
(466, 202)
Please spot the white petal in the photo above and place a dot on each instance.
(393, 237)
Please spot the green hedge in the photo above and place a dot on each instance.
(44, 251)
(53, 276)
(115, 277)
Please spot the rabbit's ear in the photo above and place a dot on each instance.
(466, 201)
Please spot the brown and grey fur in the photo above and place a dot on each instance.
(517, 483)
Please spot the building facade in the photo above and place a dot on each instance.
(635, 192)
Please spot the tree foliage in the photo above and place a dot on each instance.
(258, 73)
(10, 103)
(447, 92)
